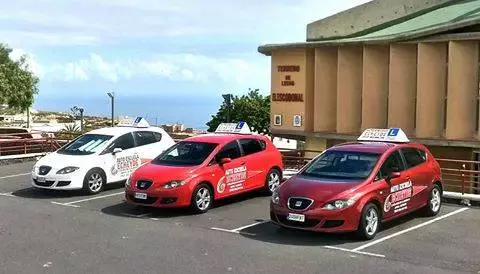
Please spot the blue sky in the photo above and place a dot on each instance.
(169, 60)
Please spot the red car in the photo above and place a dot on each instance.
(198, 170)
(357, 186)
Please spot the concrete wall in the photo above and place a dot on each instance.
(367, 16)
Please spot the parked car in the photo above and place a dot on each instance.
(100, 157)
(202, 169)
(357, 186)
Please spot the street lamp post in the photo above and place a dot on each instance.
(228, 102)
(112, 97)
(80, 110)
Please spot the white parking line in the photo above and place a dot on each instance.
(354, 251)
(409, 229)
(8, 194)
(247, 226)
(94, 198)
(57, 203)
(14, 175)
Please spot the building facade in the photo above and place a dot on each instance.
(416, 68)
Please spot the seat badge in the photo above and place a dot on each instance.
(298, 203)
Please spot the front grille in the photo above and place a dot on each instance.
(148, 201)
(46, 183)
(299, 203)
(143, 185)
(44, 170)
(308, 222)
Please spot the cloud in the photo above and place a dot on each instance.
(172, 67)
(31, 62)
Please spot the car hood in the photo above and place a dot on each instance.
(57, 160)
(320, 190)
(161, 174)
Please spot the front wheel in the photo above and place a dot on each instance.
(434, 202)
(369, 222)
(202, 198)
(94, 181)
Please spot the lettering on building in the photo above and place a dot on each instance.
(287, 97)
(288, 68)
(288, 81)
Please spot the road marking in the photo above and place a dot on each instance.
(8, 194)
(355, 251)
(247, 226)
(15, 175)
(410, 229)
(225, 230)
(94, 198)
(57, 203)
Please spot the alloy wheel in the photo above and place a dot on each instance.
(203, 198)
(95, 182)
(372, 221)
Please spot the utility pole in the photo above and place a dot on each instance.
(80, 110)
(112, 97)
(228, 102)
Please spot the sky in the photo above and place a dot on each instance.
(167, 60)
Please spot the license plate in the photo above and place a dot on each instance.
(139, 195)
(41, 179)
(296, 217)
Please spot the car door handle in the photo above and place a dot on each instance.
(242, 163)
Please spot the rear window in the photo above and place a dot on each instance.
(414, 157)
(250, 146)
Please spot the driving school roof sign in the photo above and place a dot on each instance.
(130, 122)
(240, 127)
(395, 135)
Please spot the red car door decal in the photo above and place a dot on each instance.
(399, 197)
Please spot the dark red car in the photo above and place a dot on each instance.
(199, 170)
(357, 186)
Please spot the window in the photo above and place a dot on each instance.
(414, 157)
(340, 165)
(250, 146)
(263, 144)
(124, 142)
(144, 137)
(158, 136)
(392, 164)
(85, 144)
(185, 154)
(230, 150)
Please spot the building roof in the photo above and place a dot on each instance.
(456, 15)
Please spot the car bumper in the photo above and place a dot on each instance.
(165, 198)
(56, 181)
(318, 220)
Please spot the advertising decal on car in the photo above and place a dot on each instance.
(233, 179)
(126, 164)
(399, 197)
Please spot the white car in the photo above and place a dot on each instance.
(100, 157)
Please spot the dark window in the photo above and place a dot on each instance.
(414, 157)
(250, 146)
(158, 136)
(230, 150)
(393, 163)
(263, 144)
(144, 137)
(185, 154)
(124, 142)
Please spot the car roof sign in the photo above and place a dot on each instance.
(240, 127)
(394, 135)
(137, 122)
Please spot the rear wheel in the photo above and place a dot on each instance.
(202, 198)
(272, 181)
(369, 222)
(94, 181)
(434, 202)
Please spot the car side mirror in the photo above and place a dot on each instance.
(393, 175)
(117, 150)
(225, 161)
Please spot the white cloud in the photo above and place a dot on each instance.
(31, 62)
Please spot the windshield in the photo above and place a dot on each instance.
(85, 144)
(348, 165)
(185, 154)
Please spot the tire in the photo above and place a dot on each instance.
(94, 181)
(273, 179)
(202, 199)
(368, 229)
(434, 203)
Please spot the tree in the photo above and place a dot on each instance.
(252, 108)
(17, 84)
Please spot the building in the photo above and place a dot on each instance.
(403, 63)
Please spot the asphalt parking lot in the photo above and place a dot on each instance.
(56, 232)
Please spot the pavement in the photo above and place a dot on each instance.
(69, 232)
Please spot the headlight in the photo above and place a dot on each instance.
(276, 197)
(174, 184)
(339, 204)
(68, 169)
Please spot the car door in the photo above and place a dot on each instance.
(119, 165)
(416, 161)
(395, 192)
(231, 178)
(256, 166)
